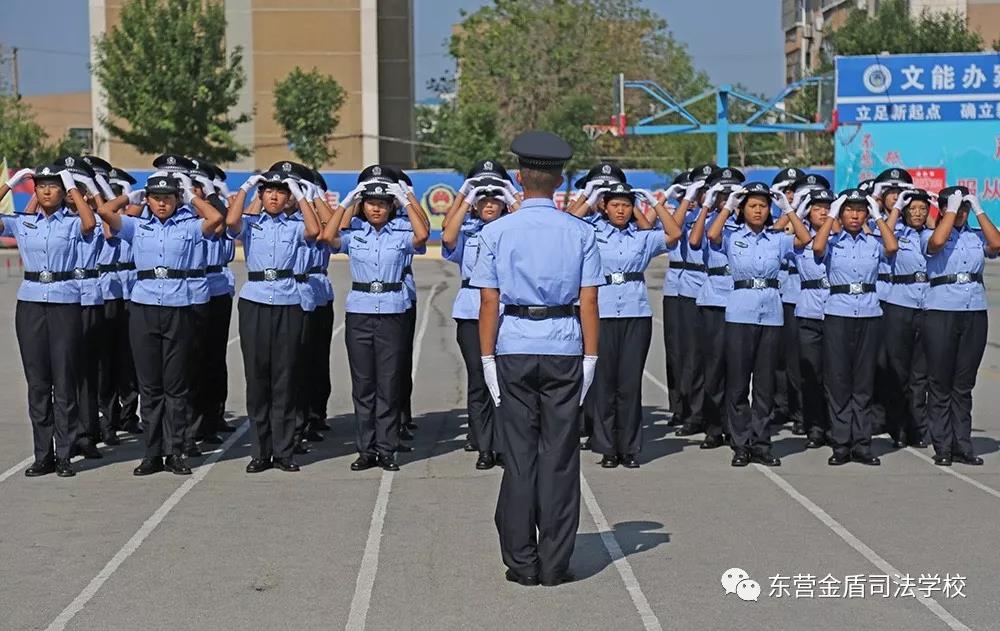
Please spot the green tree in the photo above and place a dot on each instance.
(169, 83)
(23, 141)
(306, 106)
(892, 29)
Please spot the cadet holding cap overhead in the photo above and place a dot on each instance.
(47, 317)
(852, 321)
(538, 360)
(671, 299)
(955, 322)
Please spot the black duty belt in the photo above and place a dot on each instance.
(853, 289)
(162, 273)
(910, 279)
(619, 278)
(757, 283)
(885, 278)
(271, 274)
(48, 277)
(316, 269)
(690, 267)
(376, 287)
(818, 283)
(539, 312)
(961, 278)
(719, 271)
(116, 267)
(214, 269)
(407, 271)
(465, 283)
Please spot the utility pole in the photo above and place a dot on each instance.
(17, 86)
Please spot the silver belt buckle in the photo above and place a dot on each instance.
(45, 277)
(963, 277)
(824, 283)
(920, 277)
(759, 283)
(270, 274)
(376, 287)
(855, 289)
(78, 273)
(617, 278)
(161, 272)
(537, 313)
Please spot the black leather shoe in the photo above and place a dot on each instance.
(586, 446)
(967, 459)
(814, 443)
(898, 443)
(740, 458)
(190, 449)
(64, 469)
(526, 581)
(609, 462)
(88, 450)
(110, 438)
(286, 464)
(628, 461)
(839, 458)
(388, 464)
(405, 434)
(149, 466)
(485, 461)
(321, 425)
(403, 448)
(674, 421)
(712, 442)
(687, 430)
(470, 446)
(798, 429)
(301, 447)
(132, 427)
(765, 458)
(41, 467)
(177, 465)
(866, 458)
(212, 439)
(919, 444)
(943, 460)
(256, 465)
(313, 436)
(410, 425)
(363, 463)
(565, 577)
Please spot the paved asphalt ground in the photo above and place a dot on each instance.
(327, 548)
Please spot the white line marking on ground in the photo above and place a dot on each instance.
(649, 619)
(144, 531)
(13, 470)
(858, 545)
(365, 584)
(979, 485)
(233, 341)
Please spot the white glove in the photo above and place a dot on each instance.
(781, 201)
(507, 184)
(735, 199)
(103, 186)
(399, 192)
(294, 187)
(881, 186)
(352, 197)
(954, 202)
(711, 194)
(474, 195)
(251, 182)
(675, 190)
(797, 197)
(137, 196)
(206, 184)
(508, 197)
(220, 187)
(491, 379)
(692, 190)
(875, 208)
(589, 365)
(88, 183)
(406, 187)
(18, 177)
(126, 187)
(803, 208)
(974, 202)
(646, 196)
(595, 196)
(836, 205)
(593, 185)
(67, 180)
(466, 188)
(903, 200)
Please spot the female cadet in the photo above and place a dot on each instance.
(375, 326)
(814, 289)
(955, 322)
(626, 320)
(270, 314)
(852, 319)
(905, 386)
(47, 317)
(319, 365)
(753, 314)
(165, 241)
(459, 244)
(671, 306)
(712, 301)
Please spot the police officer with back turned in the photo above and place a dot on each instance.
(538, 360)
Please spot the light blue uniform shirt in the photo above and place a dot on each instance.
(628, 250)
(672, 279)
(128, 277)
(964, 252)
(882, 287)
(88, 251)
(791, 284)
(716, 289)
(172, 244)
(217, 253)
(909, 259)
(377, 255)
(402, 222)
(812, 302)
(691, 281)
(198, 287)
(319, 256)
(47, 244)
(271, 242)
(538, 256)
(853, 259)
(228, 254)
(755, 255)
(303, 261)
(112, 283)
(466, 305)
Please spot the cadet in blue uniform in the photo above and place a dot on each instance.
(905, 385)
(318, 371)
(460, 244)
(165, 242)
(270, 315)
(47, 317)
(375, 328)
(955, 321)
(538, 360)
(712, 301)
(625, 320)
(814, 289)
(852, 322)
(753, 314)
(671, 303)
